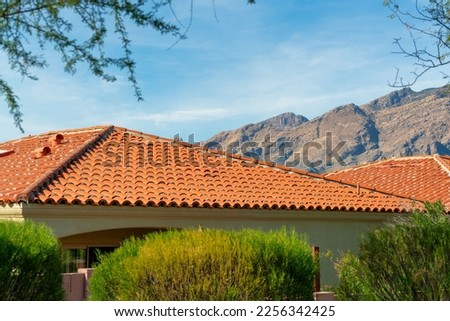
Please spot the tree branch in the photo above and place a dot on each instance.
(435, 25)
(23, 23)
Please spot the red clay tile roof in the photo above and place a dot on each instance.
(116, 166)
(424, 178)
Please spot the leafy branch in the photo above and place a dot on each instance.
(23, 24)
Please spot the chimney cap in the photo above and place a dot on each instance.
(56, 139)
(42, 151)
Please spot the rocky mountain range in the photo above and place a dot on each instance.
(402, 123)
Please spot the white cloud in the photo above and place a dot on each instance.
(180, 116)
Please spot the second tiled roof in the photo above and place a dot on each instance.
(425, 178)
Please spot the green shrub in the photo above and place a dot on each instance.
(112, 279)
(30, 265)
(350, 286)
(207, 265)
(408, 259)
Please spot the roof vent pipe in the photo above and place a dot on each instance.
(55, 139)
(41, 151)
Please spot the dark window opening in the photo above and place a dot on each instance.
(94, 253)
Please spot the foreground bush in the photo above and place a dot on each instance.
(207, 265)
(30, 264)
(406, 260)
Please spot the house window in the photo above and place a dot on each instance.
(94, 253)
(73, 259)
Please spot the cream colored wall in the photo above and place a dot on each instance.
(331, 231)
(11, 212)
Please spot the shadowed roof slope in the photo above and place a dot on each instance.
(425, 178)
(110, 165)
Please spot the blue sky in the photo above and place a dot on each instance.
(249, 64)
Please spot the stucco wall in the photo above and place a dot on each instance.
(81, 226)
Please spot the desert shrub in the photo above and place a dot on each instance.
(30, 265)
(408, 259)
(207, 264)
(112, 279)
(350, 286)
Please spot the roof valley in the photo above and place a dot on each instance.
(443, 166)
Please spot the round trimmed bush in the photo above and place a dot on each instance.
(205, 265)
(30, 265)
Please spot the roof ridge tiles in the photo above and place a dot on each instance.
(25, 195)
(260, 162)
(52, 132)
(444, 167)
(155, 137)
(359, 186)
(378, 162)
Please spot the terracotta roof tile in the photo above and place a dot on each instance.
(24, 170)
(424, 178)
(116, 166)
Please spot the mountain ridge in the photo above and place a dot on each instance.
(401, 123)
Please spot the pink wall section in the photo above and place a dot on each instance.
(75, 285)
